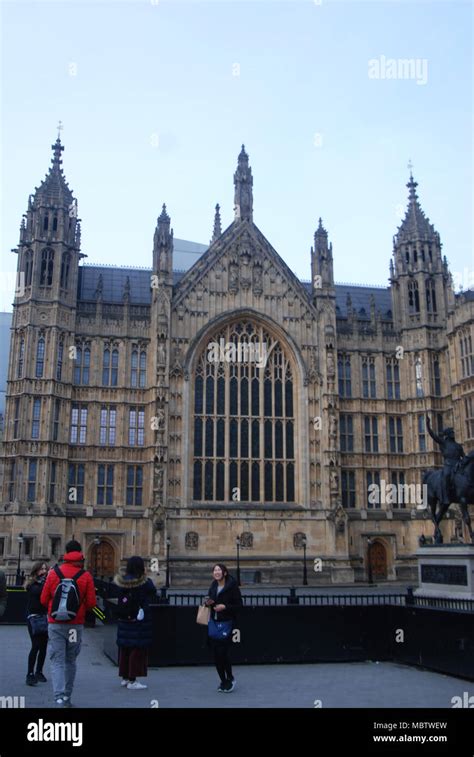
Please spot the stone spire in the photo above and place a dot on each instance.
(54, 188)
(243, 195)
(217, 224)
(415, 226)
(163, 245)
(322, 268)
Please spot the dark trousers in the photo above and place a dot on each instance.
(37, 654)
(132, 662)
(222, 659)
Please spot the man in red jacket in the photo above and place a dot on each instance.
(65, 637)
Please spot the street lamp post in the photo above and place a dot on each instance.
(168, 543)
(237, 544)
(96, 554)
(369, 564)
(18, 571)
(305, 572)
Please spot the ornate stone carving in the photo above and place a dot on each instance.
(246, 540)
(298, 539)
(191, 540)
(257, 278)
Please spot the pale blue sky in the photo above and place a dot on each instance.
(147, 73)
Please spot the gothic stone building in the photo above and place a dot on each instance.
(230, 400)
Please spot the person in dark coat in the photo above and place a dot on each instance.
(224, 599)
(3, 593)
(134, 631)
(39, 642)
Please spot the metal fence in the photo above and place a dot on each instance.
(12, 579)
(108, 590)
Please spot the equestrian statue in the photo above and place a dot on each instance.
(454, 482)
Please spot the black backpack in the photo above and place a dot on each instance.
(67, 598)
(129, 604)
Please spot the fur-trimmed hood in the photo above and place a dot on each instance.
(126, 581)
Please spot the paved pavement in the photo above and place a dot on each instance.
(366, 684)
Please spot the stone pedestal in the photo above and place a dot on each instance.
(446, 570)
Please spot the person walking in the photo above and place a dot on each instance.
(224, 599)
(3, 593)
(37, 621)
(68, 594)
(134, 628)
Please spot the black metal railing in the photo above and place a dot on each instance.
(12, 579)
(106, 589)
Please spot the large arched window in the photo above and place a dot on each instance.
(47, 266)
(244, 418)
(65, 264)
(430, 296)
(28, 267)
(413, 298)
(39, 358)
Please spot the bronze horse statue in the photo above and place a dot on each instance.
(462, 493)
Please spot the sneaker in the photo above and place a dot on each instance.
(136, 685)
(124, 682)
(67, 702)
(228, 687)
(40, 678)
(59, 702)
(232, 682)
(31, 679)
(221, 686)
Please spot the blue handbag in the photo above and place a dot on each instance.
(219, 630)
(39, 624)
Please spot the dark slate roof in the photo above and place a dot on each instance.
(360, 296)
(113, 283)
(114, 279)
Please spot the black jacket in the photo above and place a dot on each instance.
(34, 606)
(3, 593)
(229, 596)
(137, 633)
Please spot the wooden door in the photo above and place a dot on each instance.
(378, 560)
(103, 559)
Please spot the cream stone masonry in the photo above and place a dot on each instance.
(122, 433)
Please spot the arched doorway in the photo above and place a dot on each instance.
(378, 560)
(102, 559)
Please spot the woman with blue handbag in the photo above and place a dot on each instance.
(37, 620)
(224, 599)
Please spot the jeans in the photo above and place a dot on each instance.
(38, 651)
(64, 646)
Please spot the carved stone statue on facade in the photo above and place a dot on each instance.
(161, 353)
(233, 277)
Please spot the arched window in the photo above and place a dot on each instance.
(243, 426)
(55, 223)
(142, 377)
(21, 357)
(40, 358)
(430, 296)
(110, 367)
(82, 366)
(106, 367)
(114, 373)
(134, 369)
(28, 267)
(138, 368)
(413, 298)
(59, 362)
(65, 264)
(45, 223)
(47, 266)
